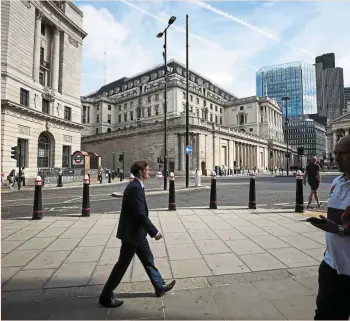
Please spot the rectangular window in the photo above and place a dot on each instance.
(125, 106)
(96, 131)
(41, 78)
(23, 146)
(131, 115)
(197, 101)
(157, 110)
(84, 115)
(149, 111)
(24, 97)
(46, 106)
(191, 98)
(67, 113)
(184, 95)
(216, 119)
(211, 117)
(97, 118)
(119, 118)
(220, 120)
(43, 29)
(42, 55)
(149, 99)
(157, 96)
(109, 119)
(125, 117)
(66, 152)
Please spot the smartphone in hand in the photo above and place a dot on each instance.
(315, 220)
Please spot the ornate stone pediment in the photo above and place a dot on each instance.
(48, 94)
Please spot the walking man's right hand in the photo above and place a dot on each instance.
(158, 236)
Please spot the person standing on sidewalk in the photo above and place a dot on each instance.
(333, 298)
(312, 173)
(133, 227)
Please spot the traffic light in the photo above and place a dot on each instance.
(14, 152)
(121, 157)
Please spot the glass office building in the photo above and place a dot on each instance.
(296, 80)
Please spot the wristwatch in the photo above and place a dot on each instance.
(341, 230)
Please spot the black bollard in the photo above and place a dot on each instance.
(109, 177)
(213, 204)
(172, 204)
(121, 176)
(299, 195)
(252, 197)
(113, 175)
(60, 183)
(85, 211)
(38, 200)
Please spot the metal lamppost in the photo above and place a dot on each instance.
(160, 35)
(113, 167)
(285, 99)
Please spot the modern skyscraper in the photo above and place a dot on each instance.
(330, 87)
(347, 99)
(296, 80)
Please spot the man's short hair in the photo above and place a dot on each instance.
(137, 167)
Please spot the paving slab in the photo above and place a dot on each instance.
(293, 257)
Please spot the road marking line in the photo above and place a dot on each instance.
(73, 199)
(278, 204)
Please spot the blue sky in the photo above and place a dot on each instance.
(229, 39)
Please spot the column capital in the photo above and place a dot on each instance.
(39, 15)
(57, 30)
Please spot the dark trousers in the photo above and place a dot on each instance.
(333, 298)
(127, 252)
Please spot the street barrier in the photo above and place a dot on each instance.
(252, 194)
(299, 195)
(38, 200)
(172, 204)
(85, 211)
(212, 203)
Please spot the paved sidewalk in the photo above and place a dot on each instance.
(230, 263)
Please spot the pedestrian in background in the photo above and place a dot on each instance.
(313, 176)
(133, 227)
(333, 298)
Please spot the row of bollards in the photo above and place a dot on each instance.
(299, 197)
(85, 212)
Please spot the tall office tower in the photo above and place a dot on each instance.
(330, 87)
(347, 99)
(296, 80)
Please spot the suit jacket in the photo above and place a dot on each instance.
(134, 224)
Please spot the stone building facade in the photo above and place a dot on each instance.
(128, 115)
(336, 129)
(41, 44)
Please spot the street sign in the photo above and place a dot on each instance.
(188, 150)
(78, 159)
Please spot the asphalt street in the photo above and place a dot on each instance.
(271, 192)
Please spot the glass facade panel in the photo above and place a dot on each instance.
(296, 80)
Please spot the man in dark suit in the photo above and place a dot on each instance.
(134, 225)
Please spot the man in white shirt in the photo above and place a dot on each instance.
(333, 298)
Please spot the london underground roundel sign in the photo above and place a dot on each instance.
(78, 159)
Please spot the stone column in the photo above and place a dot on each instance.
(198, 151)
(182, 152)
(55, 59)
(193, 156)
(36, 49)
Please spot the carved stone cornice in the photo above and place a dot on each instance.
(34, 116)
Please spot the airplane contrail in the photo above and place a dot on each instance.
(249, 26)
(212, 44)
(235, 19)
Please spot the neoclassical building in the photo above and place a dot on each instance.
(41, 49)
(336, 129)
(128, 116)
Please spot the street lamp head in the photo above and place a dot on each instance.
(160, 35)
(171, 20)
(285, 98)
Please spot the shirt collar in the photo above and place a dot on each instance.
(141, 182)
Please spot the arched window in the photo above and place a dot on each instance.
(108, 130)
(44, 150)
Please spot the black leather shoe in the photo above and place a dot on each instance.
(110, 303)
(166, 288)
